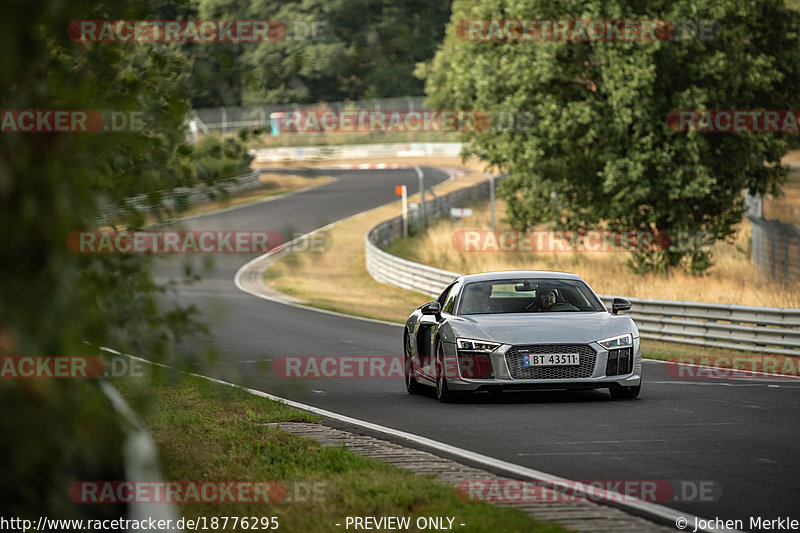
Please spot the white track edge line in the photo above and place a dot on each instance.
(238, 283)
(660, 511)
(655, 512)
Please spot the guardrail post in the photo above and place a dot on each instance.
(766, 330)
(491, 197)
(421, 177)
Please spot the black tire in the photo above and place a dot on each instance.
(625, 393)
(412, 385)
(443, 394)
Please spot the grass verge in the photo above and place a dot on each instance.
(272, 184)
(211, 432)
(733, 279)
(337, 280)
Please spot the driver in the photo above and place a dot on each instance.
(546, 299)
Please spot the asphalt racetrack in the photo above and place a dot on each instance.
(737, 437)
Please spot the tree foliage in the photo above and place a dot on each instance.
(600, 152)
(54, 302)
(333, 50)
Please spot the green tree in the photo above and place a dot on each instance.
(54, 302)
(598, 151)
(333, 50)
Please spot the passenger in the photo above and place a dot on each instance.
(478, 300)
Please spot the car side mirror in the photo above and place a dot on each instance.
(432, 308)
(619, 304)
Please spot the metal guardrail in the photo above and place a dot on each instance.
(774, 330)
(392, 270)
(181, 196)
(233, 118)
(770, 330)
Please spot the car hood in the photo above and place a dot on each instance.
(534, 328)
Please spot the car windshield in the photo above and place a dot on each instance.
(528, 295)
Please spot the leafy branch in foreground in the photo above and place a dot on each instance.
(57, 303)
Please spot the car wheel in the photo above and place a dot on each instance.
(625, 393)
(443, 394)
(412, 386)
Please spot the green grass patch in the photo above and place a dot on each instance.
(405, 248)
(211, 432)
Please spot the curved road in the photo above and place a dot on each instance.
(735, 436)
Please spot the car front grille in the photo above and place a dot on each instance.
(619, 362)
(514, 360)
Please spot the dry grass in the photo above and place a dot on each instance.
(733, 279)
(337, 279)
(271, 185)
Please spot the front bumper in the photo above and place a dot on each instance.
(501, 377)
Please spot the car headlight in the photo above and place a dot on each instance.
(472, 345)
(620, 341)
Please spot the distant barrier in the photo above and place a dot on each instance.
(738, 327)
(234, 118)
(180, 197)
(357, 151)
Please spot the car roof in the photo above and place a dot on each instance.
(516, 274)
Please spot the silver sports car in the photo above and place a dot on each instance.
(521, 330)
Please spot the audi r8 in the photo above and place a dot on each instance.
(521, 330)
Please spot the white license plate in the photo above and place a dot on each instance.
(551, 359)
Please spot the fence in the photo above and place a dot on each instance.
(180, 197)
(776, 248)
(757, 329)
(226, 119)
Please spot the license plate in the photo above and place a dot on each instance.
(551, 359)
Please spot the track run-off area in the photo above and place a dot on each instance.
(728, 447)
